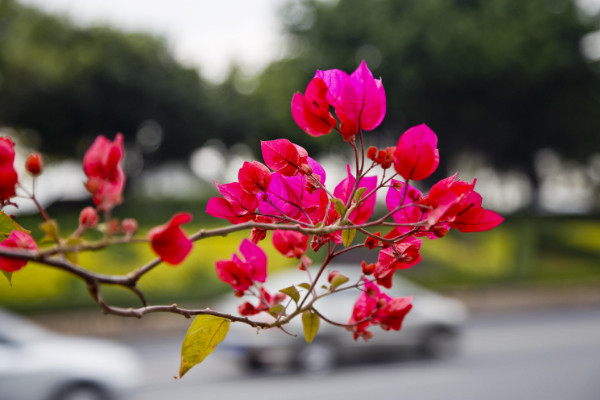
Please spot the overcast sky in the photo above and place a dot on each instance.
(204, 33)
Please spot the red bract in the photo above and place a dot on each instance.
(456, 203)
(374, 307)
(289, 243)
(169, 241)
(242, 273)
(283, 156)
(311, 110)
(358, 99)
(364, 210)
(8, 175)
(254, 177)
(106, 178)
(401, 255)
(258, 234)
(416, 155)
(236, 205)
(410, 211)
(16, 240)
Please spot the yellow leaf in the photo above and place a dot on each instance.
(348, 236)
(310, 323)
(8, 276)
(202, 337)
(7, 225)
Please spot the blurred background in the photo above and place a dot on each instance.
(512, 89)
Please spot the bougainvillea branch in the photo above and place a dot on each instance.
(288, 196)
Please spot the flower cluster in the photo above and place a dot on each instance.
(358, 100)
(106, 177)
(290, 188)
(374, 307)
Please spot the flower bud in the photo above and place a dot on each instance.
(367, 269)
(331, 276)
(129, 226)
(34, 164)
(88, 217)
(371, 152)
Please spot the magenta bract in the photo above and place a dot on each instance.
(416, 155)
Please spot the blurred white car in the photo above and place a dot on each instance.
(431, 329)
(36, 364)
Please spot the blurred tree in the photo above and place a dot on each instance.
(70, 84)
(505, 77)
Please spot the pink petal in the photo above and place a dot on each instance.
(416, 156)
(257, 258)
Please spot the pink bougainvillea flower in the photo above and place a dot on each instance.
(282, 198)
(365, 209)
(287, 196)
(16, 240)
(456, 203)
(241, 273)
(311, 110)
(410, 212)
(8, 174)
(236, 205)
(106, 177)
(169, 241)
(290, 243)
(416, 155)
(283, 156)
(358, 99)
(374, 307)
(254, 177)
(401, 255)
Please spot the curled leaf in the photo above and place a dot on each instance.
(292, 292)
(338, 280)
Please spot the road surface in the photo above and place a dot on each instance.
(549, 355)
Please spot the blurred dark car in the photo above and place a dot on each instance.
(432, 329)
(36, 364)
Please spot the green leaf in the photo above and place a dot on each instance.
(304, 285)
(348, 236)
(310, 323)
(359, 192)
(338, 280)
(276, 310)
(292, 292)
(339, 206)
(7, 225)
(203, 336)
(8, 276)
